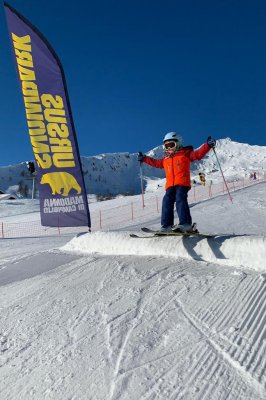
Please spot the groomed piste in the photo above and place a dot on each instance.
(105, 316)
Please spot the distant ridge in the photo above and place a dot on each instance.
(111, 174)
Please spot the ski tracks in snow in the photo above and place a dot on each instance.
(134, 318)
(135, 328)
(231, 352)
(123, 330)
(177, 343)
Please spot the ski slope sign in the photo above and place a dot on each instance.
(63, 198)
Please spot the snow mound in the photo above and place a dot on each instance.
(236, 251)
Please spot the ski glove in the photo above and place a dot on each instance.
(140, 156)
(211, 142)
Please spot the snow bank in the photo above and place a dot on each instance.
(238, 251)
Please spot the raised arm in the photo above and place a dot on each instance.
(203, 150)
(200, 152)
(153, 162)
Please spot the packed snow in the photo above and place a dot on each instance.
(103, 316)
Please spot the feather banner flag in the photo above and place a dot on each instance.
(63, 198)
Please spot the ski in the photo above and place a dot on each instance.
(154, 234)
(148, 230)
(133, 235)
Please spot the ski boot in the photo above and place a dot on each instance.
(185, 228)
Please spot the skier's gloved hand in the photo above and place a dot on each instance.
(140, 156)
(211, 142)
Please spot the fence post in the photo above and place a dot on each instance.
(100, 212)
(3, 236)
(132, 212)
(210, 190)
(157, 203)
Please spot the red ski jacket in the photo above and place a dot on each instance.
(177, 166)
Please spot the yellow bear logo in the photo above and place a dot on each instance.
(61, 182)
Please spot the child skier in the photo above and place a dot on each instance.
(176, 164)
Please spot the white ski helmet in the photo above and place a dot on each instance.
(174, 136)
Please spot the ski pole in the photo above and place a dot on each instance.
(141, 182)
(230, 197)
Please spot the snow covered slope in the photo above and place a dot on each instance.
(118, 173)
(98, 323)
(237, 160)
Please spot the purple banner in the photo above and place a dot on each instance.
(63, 198)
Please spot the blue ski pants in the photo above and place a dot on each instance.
(176, 195)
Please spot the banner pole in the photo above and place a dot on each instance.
(141, 182)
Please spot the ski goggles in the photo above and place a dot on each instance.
(170, 145)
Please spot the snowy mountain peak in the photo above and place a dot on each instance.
(111, 174)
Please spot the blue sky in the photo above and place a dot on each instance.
(138, 69)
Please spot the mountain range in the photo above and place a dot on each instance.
(112, 174)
